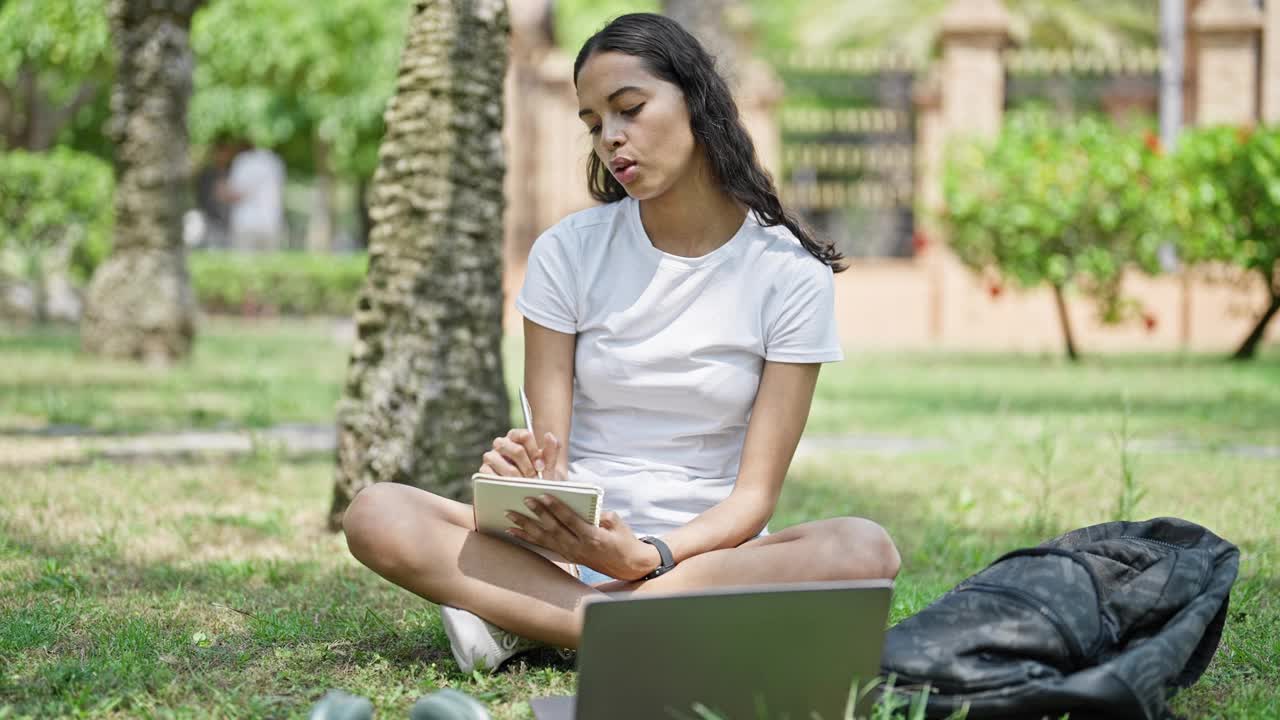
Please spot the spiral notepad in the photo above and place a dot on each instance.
(495, 495)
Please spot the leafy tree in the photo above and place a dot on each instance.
(425, 392)
(1232, 210)
(1060, 204)
(55, 64)
(309, 80)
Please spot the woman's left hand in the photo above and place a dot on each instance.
(611, 548)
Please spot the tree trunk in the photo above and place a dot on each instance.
(320, 221)
(1066, 324)
(139, 304)
(51, 120)
(21, 110)
(1249, 348)
(27, 120)
(362, 214)
(425, 393)
(39, 287)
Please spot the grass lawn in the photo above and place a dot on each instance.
(183, 590)
(242, 374)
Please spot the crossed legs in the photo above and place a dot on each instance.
(428, 545)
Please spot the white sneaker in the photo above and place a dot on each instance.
(478, 644)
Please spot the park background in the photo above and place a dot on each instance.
(1003, 176)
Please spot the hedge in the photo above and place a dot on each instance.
(293, 283)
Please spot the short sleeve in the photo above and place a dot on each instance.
(549, 294)
(803, 325)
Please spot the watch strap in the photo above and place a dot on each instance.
(667, 560)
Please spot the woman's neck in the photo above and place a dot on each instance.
(693, 217)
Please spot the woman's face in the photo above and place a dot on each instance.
(639, 123)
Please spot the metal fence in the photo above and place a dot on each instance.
(848, 148)
(1074, 82)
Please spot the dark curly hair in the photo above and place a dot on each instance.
(672, 54)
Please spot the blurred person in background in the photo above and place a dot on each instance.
(208, 225)
(254, 190)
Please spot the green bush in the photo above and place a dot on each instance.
(1229, 199)
(294, 283)
(59, 199)
(1060, 203)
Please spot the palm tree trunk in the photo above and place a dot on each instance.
(1065, 319)
(139, 304)
(425, 393)
(1249, 348)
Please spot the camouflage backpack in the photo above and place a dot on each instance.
(1103, 622)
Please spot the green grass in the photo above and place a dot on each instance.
(194, 590)
(242, 374)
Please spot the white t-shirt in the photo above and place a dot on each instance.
(258, 176)
(670, 351)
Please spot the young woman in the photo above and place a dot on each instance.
(673, 335)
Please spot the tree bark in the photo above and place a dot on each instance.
(139, 304)
(1067, 335)
(1249, 348)
(425, 393)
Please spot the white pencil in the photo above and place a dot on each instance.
(528, 417)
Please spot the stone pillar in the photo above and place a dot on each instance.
(1227, 48)
(927, 98)
(759, 91)
(969, 103)
(563, 144)
(1271, 62)
(531, 39)
(973, 34)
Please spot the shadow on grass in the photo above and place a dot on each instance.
(279, 601)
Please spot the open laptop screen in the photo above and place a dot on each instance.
(758, 652)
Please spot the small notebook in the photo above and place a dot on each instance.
(494, 495)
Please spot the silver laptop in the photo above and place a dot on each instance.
(756, 653)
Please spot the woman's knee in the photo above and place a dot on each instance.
(863, 549)
(373, 524)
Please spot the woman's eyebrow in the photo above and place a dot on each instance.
(612, 95)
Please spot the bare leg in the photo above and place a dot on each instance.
(836, 549)
(427, 545)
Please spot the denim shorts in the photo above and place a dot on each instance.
(591, 577)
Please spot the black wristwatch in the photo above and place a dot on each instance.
(667, 562)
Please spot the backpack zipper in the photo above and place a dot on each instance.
(1161, 543)
(1110, 625)
(1073, 646)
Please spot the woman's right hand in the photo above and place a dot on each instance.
(517, 454)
